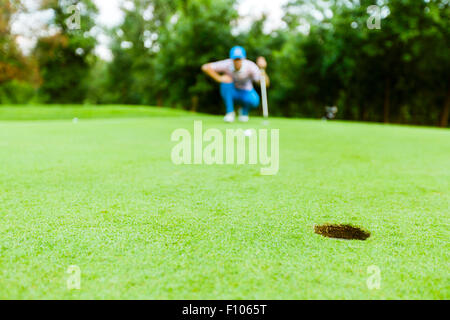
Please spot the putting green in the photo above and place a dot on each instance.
(103, 194)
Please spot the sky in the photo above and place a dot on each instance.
(29, 26)
(110, 14)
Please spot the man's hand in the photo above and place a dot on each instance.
(261, 63)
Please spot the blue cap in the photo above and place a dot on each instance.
(237, 52)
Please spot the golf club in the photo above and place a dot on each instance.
(264, 96)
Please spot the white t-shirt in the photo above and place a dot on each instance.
(243, 77)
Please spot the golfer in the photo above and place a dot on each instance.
(235, 76)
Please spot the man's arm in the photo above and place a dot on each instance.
(262, 64)
(206, 68)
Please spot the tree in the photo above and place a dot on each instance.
(17, 73)
(198, 32)
(398, 73)
(135, 44)
(65, 57)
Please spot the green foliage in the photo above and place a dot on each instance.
(64, 58)
(148, 68)
(17, 92)
(324, 55)
(17, 72)
(201, 31)
(397, 73)
(130, 74)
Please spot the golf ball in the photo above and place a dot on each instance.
(248, 132)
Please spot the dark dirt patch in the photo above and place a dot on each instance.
(341, 231)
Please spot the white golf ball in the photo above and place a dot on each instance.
(248, 132)
(75, 120)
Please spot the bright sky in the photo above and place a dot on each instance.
(110, 15)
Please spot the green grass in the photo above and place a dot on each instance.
(104, 195)
(58, 112)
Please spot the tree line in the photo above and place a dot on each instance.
(324, 54)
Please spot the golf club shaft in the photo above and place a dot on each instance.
(264, 94)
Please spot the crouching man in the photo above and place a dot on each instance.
(235, 76)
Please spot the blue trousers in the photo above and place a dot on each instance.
(247, 99)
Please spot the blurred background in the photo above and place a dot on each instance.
(149, 52)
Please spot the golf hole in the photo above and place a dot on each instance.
(341, 231)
